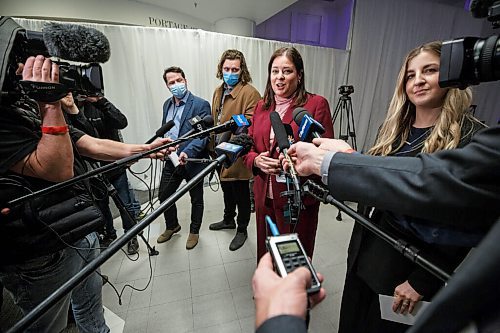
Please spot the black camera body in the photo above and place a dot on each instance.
(346, 90)
(19, 44)
(471, 60)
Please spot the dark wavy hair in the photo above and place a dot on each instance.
(294, 56)
(173, 69)
(235, 55)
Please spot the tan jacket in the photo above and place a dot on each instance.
(241, 100)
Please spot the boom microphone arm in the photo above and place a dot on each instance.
(229, 125)
(406, 249)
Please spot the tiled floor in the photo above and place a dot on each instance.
(208, 289)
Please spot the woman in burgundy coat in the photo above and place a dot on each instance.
(285, 91)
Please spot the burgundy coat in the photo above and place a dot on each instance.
(259, 130)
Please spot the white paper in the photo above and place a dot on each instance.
(174, 158)
(408, 319)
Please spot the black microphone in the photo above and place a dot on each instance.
(234, 125)
(198, 160)
(162, 130)
(281, 137)
(239, 145)
(309, 128)
(199, 124)
(75, 42)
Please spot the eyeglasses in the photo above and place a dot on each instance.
(232, 70)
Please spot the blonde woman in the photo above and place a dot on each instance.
(422, 117)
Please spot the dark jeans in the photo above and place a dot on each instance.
(237, 194)
(127, 196)
(171, 179)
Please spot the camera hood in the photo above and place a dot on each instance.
(8, 32)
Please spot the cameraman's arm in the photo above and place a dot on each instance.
(109, 150)
(52, 159)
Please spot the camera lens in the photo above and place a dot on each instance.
(487, 59)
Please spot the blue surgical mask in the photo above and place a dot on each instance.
(231, 79)
(178, 90)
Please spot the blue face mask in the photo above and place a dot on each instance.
(178, 90)
(231, 79)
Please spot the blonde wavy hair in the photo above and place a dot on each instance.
(401, 114)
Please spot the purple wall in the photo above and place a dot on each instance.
(312, 22)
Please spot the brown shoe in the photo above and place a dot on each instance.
(192, 241)
(168, 234)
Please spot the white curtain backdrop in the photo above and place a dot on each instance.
(384, 32)
(133, 75)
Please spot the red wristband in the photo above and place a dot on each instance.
(348, 151)
(55, 130)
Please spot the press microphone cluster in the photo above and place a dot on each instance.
(281, 137)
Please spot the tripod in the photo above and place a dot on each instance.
(113, 193)
(344, 108)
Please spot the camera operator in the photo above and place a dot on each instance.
(98, 117)
(37, 148)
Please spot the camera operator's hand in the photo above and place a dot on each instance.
(276, 296)
(68, 104)
(93, 99)
(53, 158)
(41, 69)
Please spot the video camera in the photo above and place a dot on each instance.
(346, 90)
(471, 60)
(72, 43)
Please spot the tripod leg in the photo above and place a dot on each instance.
(353, 133)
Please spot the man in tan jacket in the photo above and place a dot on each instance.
(234, 96)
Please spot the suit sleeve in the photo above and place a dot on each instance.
(454, 187)
(283, 323)
(113, 117)
(196, 146)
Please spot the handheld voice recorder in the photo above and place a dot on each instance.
(288, 254)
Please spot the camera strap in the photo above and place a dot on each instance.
(44, 91)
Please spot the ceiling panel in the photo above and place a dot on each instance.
(213, 10)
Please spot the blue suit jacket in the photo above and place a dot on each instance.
(195, 148)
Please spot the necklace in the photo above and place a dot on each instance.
(423, 135)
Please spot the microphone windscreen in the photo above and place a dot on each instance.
(208, 120)
(224, 137)
(76, 43)
(298, 114)
(243, 140)
(279, 131)
(165, 128)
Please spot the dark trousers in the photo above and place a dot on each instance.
(237, 194)
(103, 204)
(360, 309)
(171, 179)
